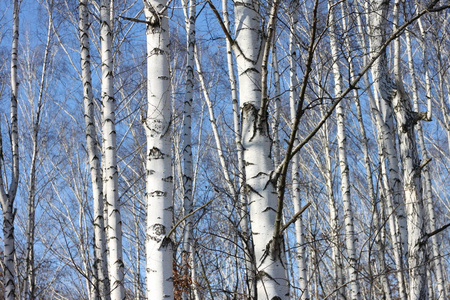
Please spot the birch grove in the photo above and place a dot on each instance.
(224, 149)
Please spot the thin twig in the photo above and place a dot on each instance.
(295, 217)
(187, 216)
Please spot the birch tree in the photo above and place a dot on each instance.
(115, 263)
(350, 236)
(100, 269)
(8, 190)
(395, 98)
(37, 110)
(427, 182)
(377, 220)
(241, 197)
(293, 96)
(159, 246)
(261, 192)
(294, 70)
(412, 178)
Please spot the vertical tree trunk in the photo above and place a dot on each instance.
(384, 86)
(436, 257)
(245, 226)
(116, 268)
(100, 270)
(379, 240)
(335, 236)
(30, 282)
(412, 178)
(293, 96)
(269, 248)
(189, 8)
(343, 164)
(159, 181)
(386, 187)
(8, 194)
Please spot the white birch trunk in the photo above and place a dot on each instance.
(384, 86)
(343, 165)
(293, 96)
(443, 103)
(8, 194)
(385, 186)
(413, 197)
(262, 197)
(189, 8)
(387, 190)
(406, 120)
(379, 239)
(159, 177)
(394, 93)
(242, 199)
(116, 268)
(100, 270)
(30, 281)
(428, 193)
(335, 239)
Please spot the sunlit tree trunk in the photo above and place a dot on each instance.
(189, 8)
(30, 281)
(383, 110)
(293, 96)
(8, 194)
(384, 86)
(116, 268)
(335, 236)
(427, 193)
(379, 241)
(412, 177)
(159, 178)
(343, 164)
(100, 270)
(261, 192)
(242, 199)
(386, 183)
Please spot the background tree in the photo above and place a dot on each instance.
(8, 188)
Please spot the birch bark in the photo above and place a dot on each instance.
(412, 178)
(8, 194)
(383, 111)
(428, 191)
(393, 95)
(379, 240)
(269, 249)
(427, 185)
(116, 268)
(386, 186)
(159, 178)
(293, 96)
(241, 197)
(383, 86)
(30, 280)
(350, 236)
(189, 8)
(335, 238)
(100, 269)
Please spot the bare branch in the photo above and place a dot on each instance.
(295, 217)
(172, 230)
